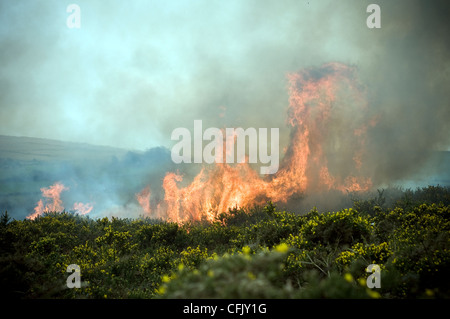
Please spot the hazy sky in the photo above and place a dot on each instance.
(136, 70)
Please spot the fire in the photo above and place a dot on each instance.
(82, 208)
(54, 194)
(144, 199)
(328, 117)
(54, 202)
(328, 113)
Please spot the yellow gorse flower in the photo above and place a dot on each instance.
(348, 277)
(161, 290)
(246, 250)
(282, 248)
(373, 294)
(251, 276)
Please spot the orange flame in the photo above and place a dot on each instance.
(53, 193)
(144, 200)
(327, 114)
(82, 208)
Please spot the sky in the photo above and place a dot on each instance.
(136, 70)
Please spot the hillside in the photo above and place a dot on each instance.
(30, 148)
(91, 173)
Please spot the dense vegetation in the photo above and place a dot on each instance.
(254, 253)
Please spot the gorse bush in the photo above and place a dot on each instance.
(239, 275)
(246, 253)
(336, 229)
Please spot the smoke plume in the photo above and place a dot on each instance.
(136, 71)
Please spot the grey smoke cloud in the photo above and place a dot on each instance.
(137, 70)
(408, 89)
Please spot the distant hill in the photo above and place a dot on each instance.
(96, 174)
(31, 148)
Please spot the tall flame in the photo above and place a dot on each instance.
(328, 117)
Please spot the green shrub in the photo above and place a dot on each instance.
(370, 253)
(240, 275)
(342, 228)
(264, 253)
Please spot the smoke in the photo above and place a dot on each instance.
(136, 71)
(97, 186)
(408, 89)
